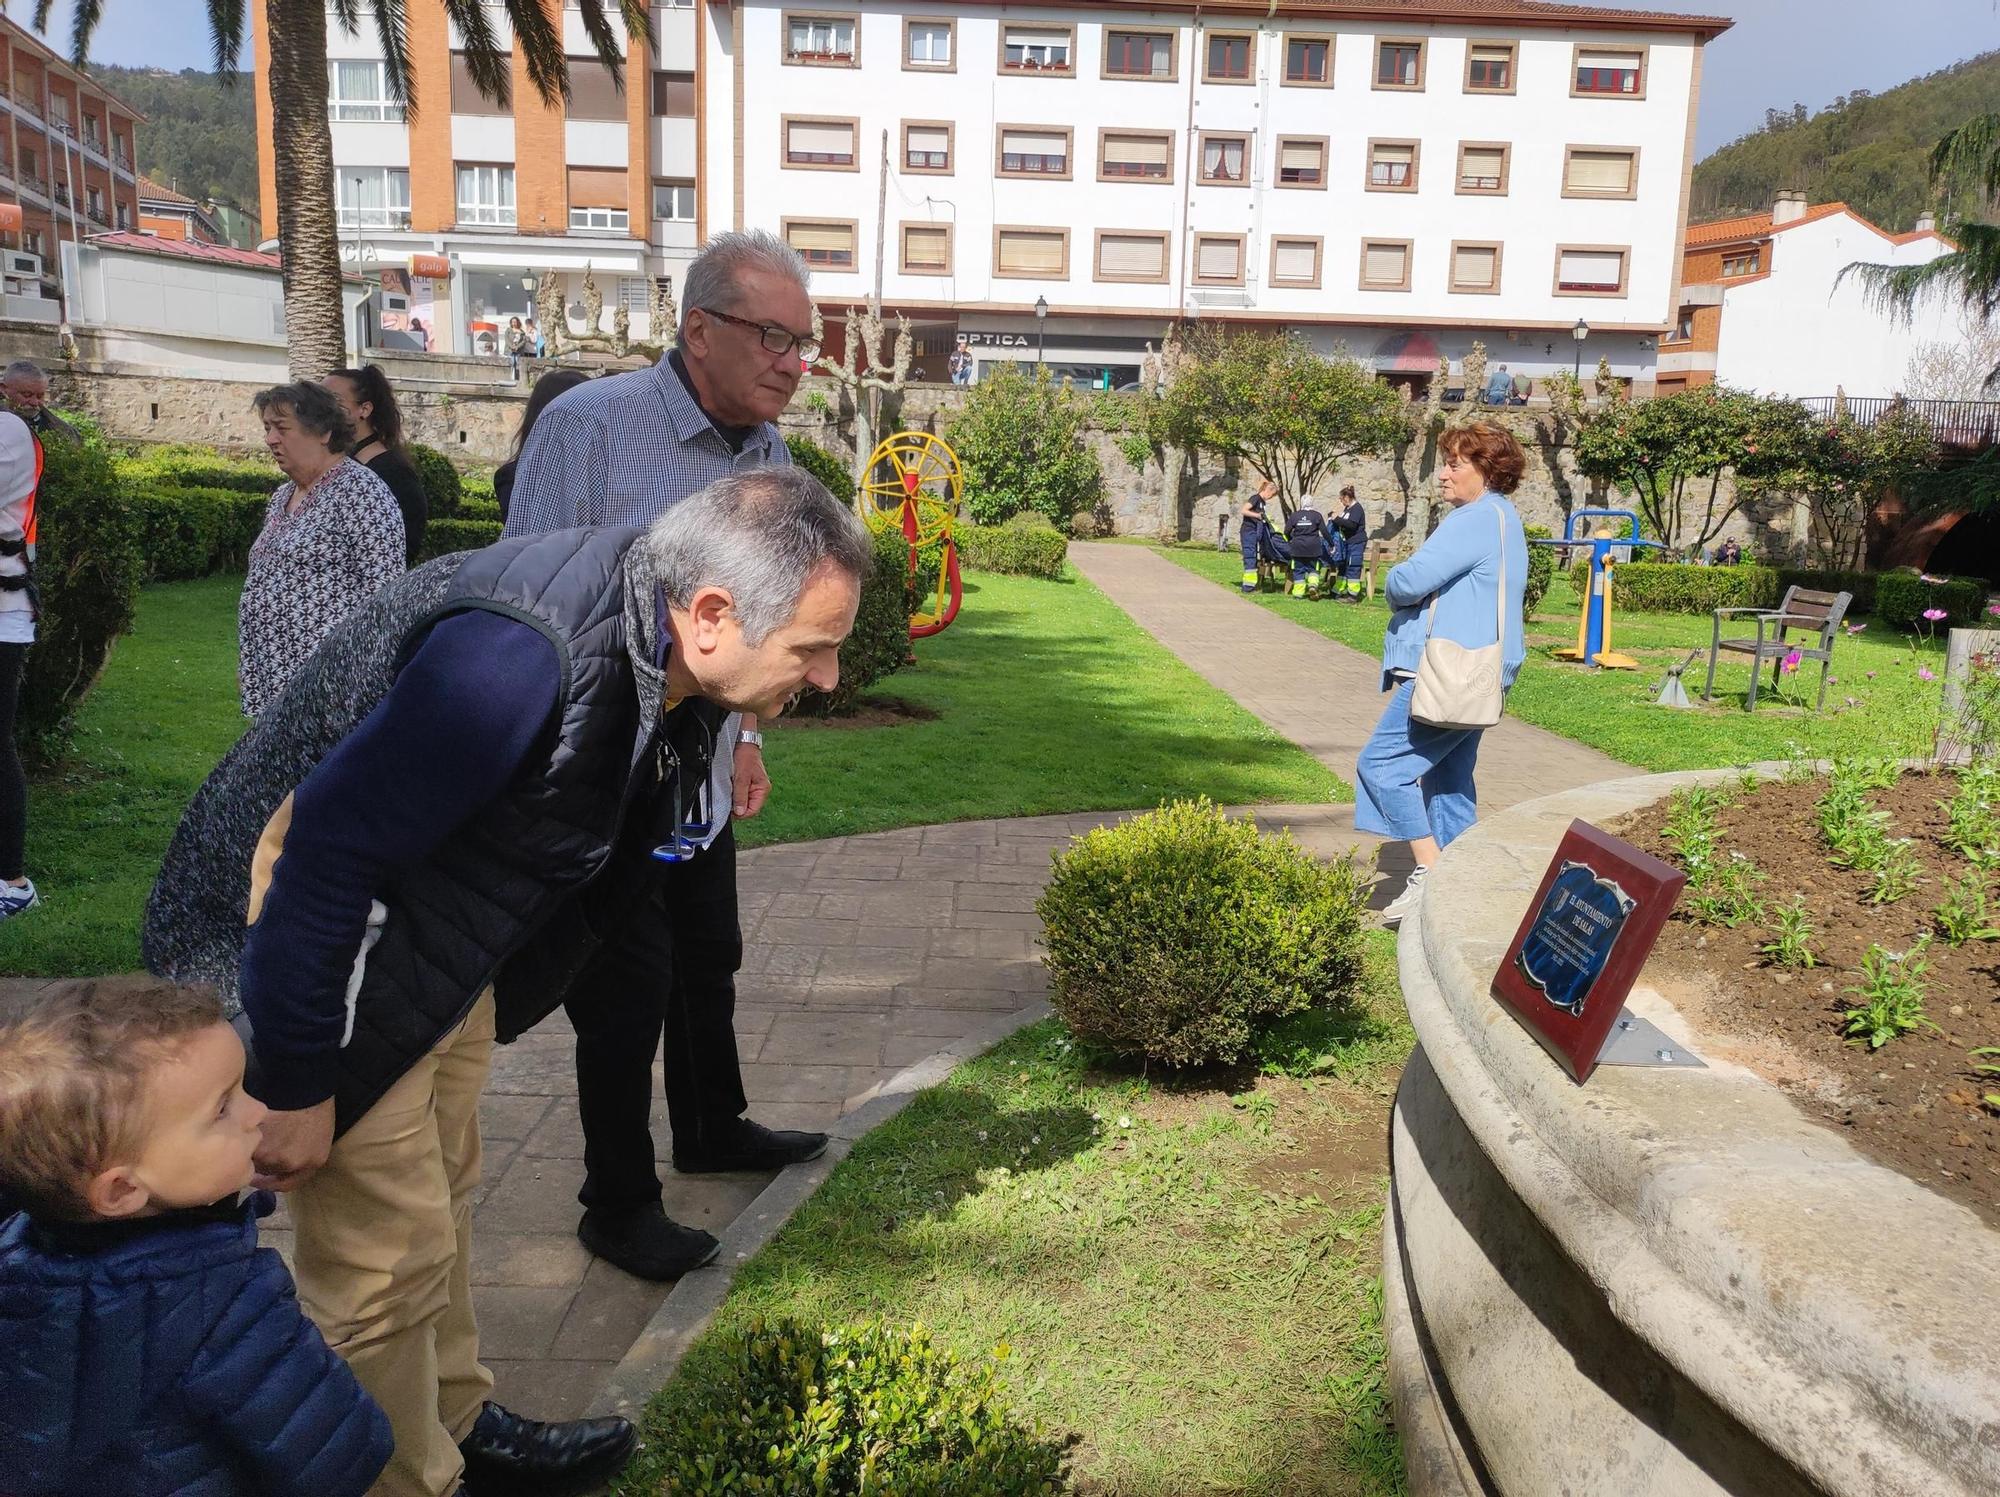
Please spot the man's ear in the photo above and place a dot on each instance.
(117, 1193)
(694, 334)
(706, 611)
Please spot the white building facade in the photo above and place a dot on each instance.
(1400, 187)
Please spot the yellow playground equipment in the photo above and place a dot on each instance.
(913, 482)
(1593, 625)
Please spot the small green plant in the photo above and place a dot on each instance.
(1891, 991)
(1855, 833)
(1791, 930)
(1897, 873)
(1692, 828)
(1973, 816)
(1962, 914)
(1135, 449)
(843, 1411)
(817, 403)
(1991, 1099)
(1729, 895)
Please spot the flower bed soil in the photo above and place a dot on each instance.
(1914, 1104)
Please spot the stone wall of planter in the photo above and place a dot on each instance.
(1666, 1283)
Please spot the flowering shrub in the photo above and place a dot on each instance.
(1180, 934)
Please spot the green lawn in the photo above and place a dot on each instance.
(1185, 1277)
(1894, 710)
(1050, 699)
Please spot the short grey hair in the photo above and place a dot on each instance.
(761, 535)
(313, 407)
(23, 369)
(715, 279)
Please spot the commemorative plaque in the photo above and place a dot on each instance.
(1586, 934)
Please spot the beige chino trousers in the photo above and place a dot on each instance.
(383, 1256)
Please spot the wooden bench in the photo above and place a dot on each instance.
(1802, 608)
(1381, 555)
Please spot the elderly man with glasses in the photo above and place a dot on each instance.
(619, 451)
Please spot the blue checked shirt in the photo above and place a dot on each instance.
(618, 451)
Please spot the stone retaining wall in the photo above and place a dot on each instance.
(1667, 1283)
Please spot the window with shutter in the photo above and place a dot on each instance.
(1026, 152)
(1385, 265)
(673, 95)
(927, 249)
(828, 245)
(1604, 71)
(819, 143)
(1475, 267)
(1218, 257)
(1482, 169)
(1128, 155)
(1301, 163)
(1392, 165)
(1224, 158)
(1610, 174)
(1489, 68)
(1031, 252)
(1035, 49)
(466, 97)
(1590, 270)
(1295, 262)
(1131, 257)
(594, 92)
(927, 148)
(1138, 54)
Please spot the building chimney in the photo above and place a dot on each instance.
(1926, 223)
(1789, 207)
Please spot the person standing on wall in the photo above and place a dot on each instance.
(622, 450)
(20, 476)
(365, 396)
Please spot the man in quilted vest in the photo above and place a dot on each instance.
(428, 838)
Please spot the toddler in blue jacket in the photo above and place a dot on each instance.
(148, 1346)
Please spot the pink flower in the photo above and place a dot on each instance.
(1791, 661)
(1994, 609)
(1924, 673)
(1871, 675)
(1833, 680)
(1934, 614)
(1857, 628)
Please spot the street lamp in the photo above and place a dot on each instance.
(1041, 327)
(359, 338)
(1580, 332)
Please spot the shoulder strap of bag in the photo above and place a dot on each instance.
(1499, 604)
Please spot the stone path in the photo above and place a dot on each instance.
(866, 954)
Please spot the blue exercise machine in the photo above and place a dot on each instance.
(1593, 629)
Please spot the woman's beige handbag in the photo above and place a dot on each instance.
(1459, 687)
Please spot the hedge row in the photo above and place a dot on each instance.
(1032, 551)
(1897, 598)
(198, 468)
(471, 508)
(442, 537)
(192, 532)
(1902, 597)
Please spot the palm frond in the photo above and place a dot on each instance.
(490, 67)
(82, 23)
(1972, 272)
(541, 49)
(392, 30)
(226, 19)
(347, 13)
(604, 40)
(1969, 157)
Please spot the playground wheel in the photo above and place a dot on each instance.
(913, 481)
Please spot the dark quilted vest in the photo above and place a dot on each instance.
(498, 902)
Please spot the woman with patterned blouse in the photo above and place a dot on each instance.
(332, 536)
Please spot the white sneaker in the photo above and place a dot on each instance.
(1403, 903)
(17, 901)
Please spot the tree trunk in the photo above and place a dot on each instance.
(309, 245)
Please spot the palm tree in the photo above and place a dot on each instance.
(1965, 177)
(308, 238)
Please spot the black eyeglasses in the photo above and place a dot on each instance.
(775, 339)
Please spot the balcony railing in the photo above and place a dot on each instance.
(1958, 423)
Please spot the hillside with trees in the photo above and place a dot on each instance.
(1871, 151)
(199, 136)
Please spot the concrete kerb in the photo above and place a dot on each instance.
(688, 1308)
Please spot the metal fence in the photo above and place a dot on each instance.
(1958, 423)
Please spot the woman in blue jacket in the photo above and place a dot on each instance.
(1414, 781)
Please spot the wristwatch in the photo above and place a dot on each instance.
(752, 737)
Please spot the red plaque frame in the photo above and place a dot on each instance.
(1634, 893)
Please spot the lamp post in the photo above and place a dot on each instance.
(1041, 327)
(358, 339)
(1579, 332)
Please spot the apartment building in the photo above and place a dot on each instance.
(168, 213)
(1396, 178)
(66, 162)
(461, 213)
(1765, 305)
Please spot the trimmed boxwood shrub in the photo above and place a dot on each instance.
(443, 537)
(880, 643)
(478, 509)
(1181, 934)
(1541, 571)
(1902, 596)
(87, 567)
(823, 465)
(1022, 550)
(192, 532)
(784, 1408)
(1667, 587)
(182, 466)
(442, 486)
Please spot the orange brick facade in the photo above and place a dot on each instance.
(67, 149)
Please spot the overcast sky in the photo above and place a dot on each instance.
(1780, 51)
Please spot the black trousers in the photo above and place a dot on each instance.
(13, 784)
(665, 984)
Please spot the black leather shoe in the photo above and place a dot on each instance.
(740, 1144)
(646, 1243)
(508, 1456)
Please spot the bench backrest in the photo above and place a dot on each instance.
(1805, 608)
